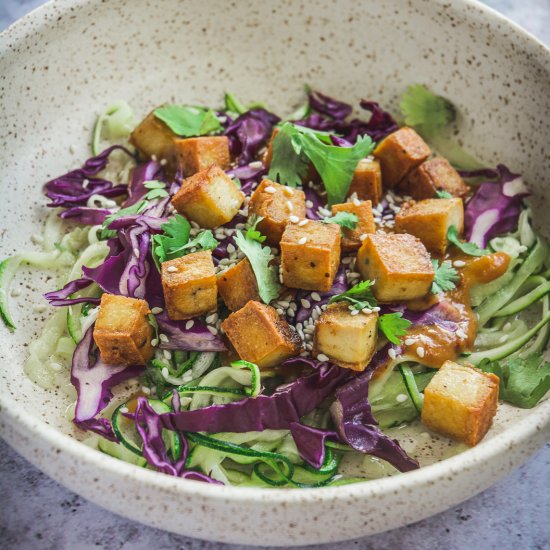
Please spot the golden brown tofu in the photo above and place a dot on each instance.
(399, 265)
(275, 204)
(310, 255)
(153, 138)
(351, 238)
(399, 153)
(189, 285)
(122, 331)
(460, 401)
(347, 340)
(429, 220)
(260, 335)
(209, 198)
(237, 285)
(198, 153)
(367, 181)
(433, 175)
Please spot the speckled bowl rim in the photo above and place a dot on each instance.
(519, 434)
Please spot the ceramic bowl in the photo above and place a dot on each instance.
(67, 60)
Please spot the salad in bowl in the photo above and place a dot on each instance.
(255, 300)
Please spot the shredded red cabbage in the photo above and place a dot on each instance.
(196, 338)
(329, 106)
(86, 215)
(311, 442)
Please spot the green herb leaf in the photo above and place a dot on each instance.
(233, 105)
(343, 219)
(287, 166)
(153, 322)
(132, 210)
(175, 235)
(425, 111)
(393, 326)
(189, 121)
(468, 248)
(440, 194)
(251, 232)
(445, 277)
(203, 241)
(523, 381)
(260, 257)
(360, 296)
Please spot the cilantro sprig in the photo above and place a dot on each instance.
(523, 381)
(157, 190)
(344, 219)
(360, 296)
(441, 194)
(468, 248)
(445, 278)
(393, 326)
(132, 210)
(189, 121)
(260, 257)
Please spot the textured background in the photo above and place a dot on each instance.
(37, 513)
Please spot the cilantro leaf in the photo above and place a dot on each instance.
(393, 326)
(157, 190)
(189, 121)
(175, 235)
(287, 165)
(203, 241)
(343, 219)
(260, 257)
(523, 381)
(233, 105)
(445, 277)
(440, 194)
(251, 232)
(425, 111)
(468, 248)
(136, 208)
(360, 296)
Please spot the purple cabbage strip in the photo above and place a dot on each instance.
(313, 196)
(495, 207)
(70, 189)
(249, 133)
(248, 176)
(93, 383)
(278, 411)
(197, 338)
(380, 124)
(357, 427)
(148, 171)
(329, 106)
(442, 314)
(311, 442)
(86, 215)
(62, 297)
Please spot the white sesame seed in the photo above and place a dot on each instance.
(401, 398)
(392, 353)
(290, 312)
(213, 330)
(124, 409)
(195, 225)
(363, 236)
(356, 202)
(145, 390)
(154, 157)
(303, 240)
(164, 372)
(255, 164)
(504, 338)
(459, 263)
(55, 366)
(136, 251)
(283, 303)
(167, 354)
(315, 297)
(376, 309)
(211, 319)
(507, 327)
(85, 183)
(280, 311)
(309, 204)
(322, 357)
(270, 189)
(420, 351)
(302, 223)
(290, 206)
(171, 269)
(409, 341)
(355, 312)
(154, 342)
(324, 212)
(163, 162)
(156, 310)
(163, 338)
(294, 219)
(288, 191)
(366, 311)
(305, 303)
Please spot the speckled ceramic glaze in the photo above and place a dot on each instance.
(64, 62)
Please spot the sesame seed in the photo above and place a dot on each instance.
(154, 342)
(303, 240)
(154, 157)
(309, 204)
(290, 312)
(355, 312)
(363, 236)
(255, 164)
(270, 189)
(211, 319)
(459, 263)
(171, 269)
(145, 390)
(288, 191)
(305, 303)
(376, 309)
(315, 297)
(164, 372)
(507, 327)
(401, 398)
(409, 341)
(322, 357)
(392, 353)
(290, 206)
(156, 310)
(283, 303)
(163, 338)
(123, 409)
(213, 330)
(366, 311)
(504, 338)
(294, 219)
(356, 202)
(163, 162)
(136, 251)
(85, 183)
(420, 351)
(280, 311)
(55, 366)
(302, 223)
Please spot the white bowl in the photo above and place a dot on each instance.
(67, 60)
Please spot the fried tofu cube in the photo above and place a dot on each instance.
(399, 153)
(351, 238)
(189, 285)
(122, 331)
(275, 204)
(198, 153)
(431, 176)
(347, 340)
(429, 220)
(310, 255)
(153, 138)
(460, 401)
(260, 335)
(209, 198)
(399, 265)
(367, 181)
(237, 285)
